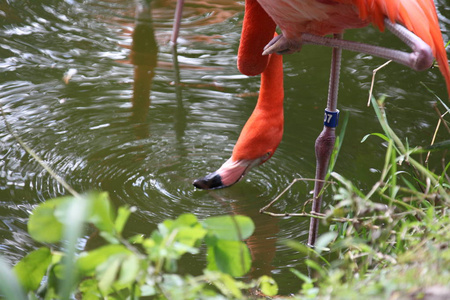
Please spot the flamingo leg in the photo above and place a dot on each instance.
(177, 21)
(325, 141)
(419, 59)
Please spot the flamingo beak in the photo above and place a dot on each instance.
(229, 173)
(209, 182)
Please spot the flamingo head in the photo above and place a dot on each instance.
(229, 173)
(257, 143)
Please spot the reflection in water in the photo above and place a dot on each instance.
(262, 243)
(143, 55)
(180, 116)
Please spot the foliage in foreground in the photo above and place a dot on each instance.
(129, 268)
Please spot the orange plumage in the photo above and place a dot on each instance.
(321, 17)
(419, 16)
(257, 30)
(261, 134)
(264, 129)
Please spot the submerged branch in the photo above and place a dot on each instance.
(263, 210)
(40, 161)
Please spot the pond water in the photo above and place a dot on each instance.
(104, 100)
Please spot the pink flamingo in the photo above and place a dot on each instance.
(263, 131)
(306, 22)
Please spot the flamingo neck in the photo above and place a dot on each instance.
(263, 131)
(271, 93)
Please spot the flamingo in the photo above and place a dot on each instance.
(301, 22)
(263, 131)
(260, 135)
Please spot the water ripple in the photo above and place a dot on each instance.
(70, 90)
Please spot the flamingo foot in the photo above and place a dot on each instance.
(282, 45)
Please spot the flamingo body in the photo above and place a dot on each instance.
(322, 17)
(319, 17)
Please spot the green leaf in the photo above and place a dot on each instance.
(89, 289)
(89, 261)
(9, 285)
(314, 265)
(186, 220)
(129, 269)
(212, 266)
(136, 239)
(43, 225)
(101, 215)
(231, 286)
(73, 215)
(232, 228)
(190, 235)
(32, 268)
(107, 272)
(365, 138)
(301, 248)
(148, 290)
(380, 135)
(185, 230)
(225, 284)
(232, 257)
(122, 217)
(268, 285)
(324, 240)
(302, 276)
(173, 239)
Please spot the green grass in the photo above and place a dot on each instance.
(391, 242)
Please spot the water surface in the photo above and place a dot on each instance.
(94, 89)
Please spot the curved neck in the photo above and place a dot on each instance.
(271, 93)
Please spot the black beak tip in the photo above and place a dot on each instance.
(209, 182)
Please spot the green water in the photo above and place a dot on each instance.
(122, 125)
